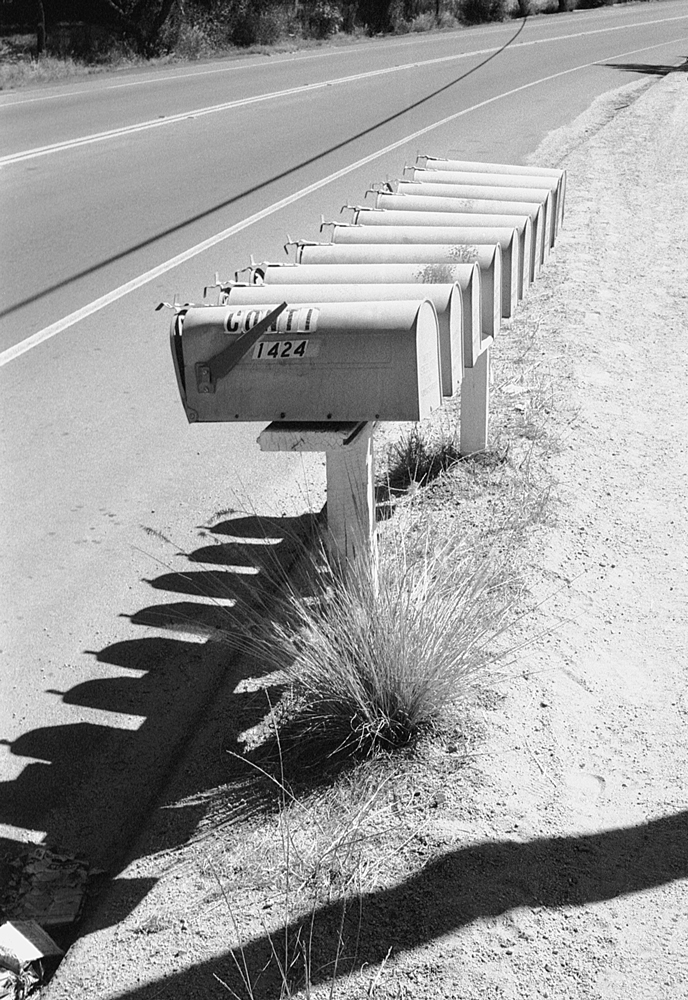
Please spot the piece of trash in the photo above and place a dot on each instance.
(47, 887)
(17, 986)
(23, 942)
(23, 946)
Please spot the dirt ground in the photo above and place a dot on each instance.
(550, 858)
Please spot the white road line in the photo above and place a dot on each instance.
(143, 279)
(30, 154)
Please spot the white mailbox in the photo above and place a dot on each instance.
(507, 239)
(317, 361)
(506, 184)
(381, 218)
(428, 203)
(511, 170)
(466, 276)
(506, 197)
(446, 299)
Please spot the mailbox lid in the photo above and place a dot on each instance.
(447, 299)
(269, 273)
(457, 163)
(364, 216)
(536, 195)
(356, 361)
(403, 234)
(423, 253)
(485, 178)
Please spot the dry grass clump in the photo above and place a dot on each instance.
(420, 455)
(375, 659)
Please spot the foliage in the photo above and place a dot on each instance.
(375, 660)
(481, 11)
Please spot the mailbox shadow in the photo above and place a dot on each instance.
(88, 785)
(448, 893)
(649, 68)
(123, 254)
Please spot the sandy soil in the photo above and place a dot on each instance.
(555, 861)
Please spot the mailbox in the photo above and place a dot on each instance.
(317, 361)
(486, 182)
(512, 269)
(488, 259)
(466, 276)
(505, 169)
(377, 218)
(427, 203)
(445, 298)
(508, 198)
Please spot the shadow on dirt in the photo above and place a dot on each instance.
(88, 786)
(462, 886)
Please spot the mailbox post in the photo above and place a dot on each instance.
(350, 474)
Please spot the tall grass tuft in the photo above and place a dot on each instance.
(374, 659)
(420, 455)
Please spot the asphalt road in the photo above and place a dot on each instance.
(123, 191)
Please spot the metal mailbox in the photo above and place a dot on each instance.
(376, 218)
(488, 259)
(466, 276)
(428, 203)
(318, 361)
(507, 169)
(507, 183)
(507, 239)
(508, 198)
(446, 299)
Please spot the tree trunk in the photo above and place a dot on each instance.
(40, 30)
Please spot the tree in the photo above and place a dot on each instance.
(143, 21)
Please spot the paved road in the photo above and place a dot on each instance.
(123, 191)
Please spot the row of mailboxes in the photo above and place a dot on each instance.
(503, 175)
(433, 255)
(458, 243)
(387, 318)
(374, 219)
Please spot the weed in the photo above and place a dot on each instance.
(374, 659)
(420, 455)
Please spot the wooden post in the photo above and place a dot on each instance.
(351, 498)
(350, 473)
(475, 405)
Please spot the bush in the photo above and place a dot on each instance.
(374, 663)
(481, 11)
(323, 19)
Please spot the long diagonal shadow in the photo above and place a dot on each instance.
(449, 893)
(257, 187)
